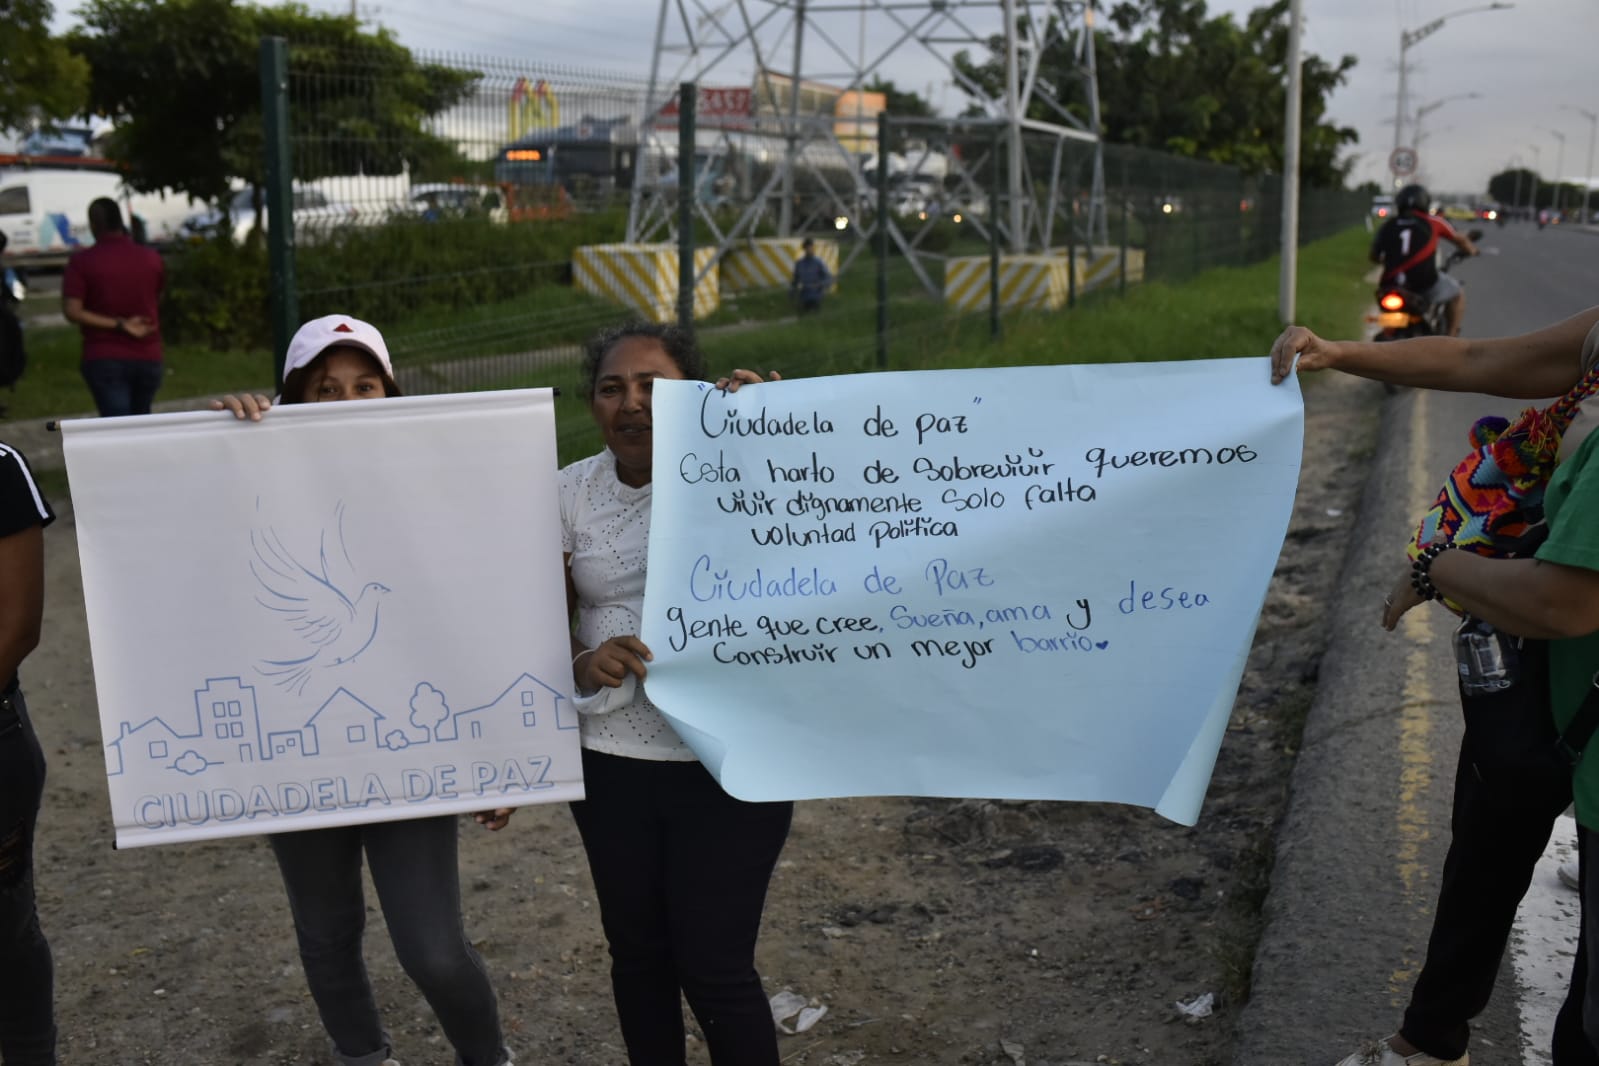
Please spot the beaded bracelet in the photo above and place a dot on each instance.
(1420, 579)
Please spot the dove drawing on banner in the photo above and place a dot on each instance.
(333, 626)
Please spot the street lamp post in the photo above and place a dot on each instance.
(1415, 36)
(1537, 165)
(1417, 136)
(1560, 164)
(1587, 173)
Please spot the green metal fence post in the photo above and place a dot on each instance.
(1193, 229)
(282, 292)
(1071, 245)
(993, 238)
(687, 97)
(882, 240)
(1127, 223)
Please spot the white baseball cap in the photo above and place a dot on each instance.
(320, 334)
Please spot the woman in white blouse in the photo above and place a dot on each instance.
(680, 867)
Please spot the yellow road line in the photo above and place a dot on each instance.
(1416, 747)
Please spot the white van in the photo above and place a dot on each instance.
(44, 211)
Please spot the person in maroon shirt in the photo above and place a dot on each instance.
(111, 291)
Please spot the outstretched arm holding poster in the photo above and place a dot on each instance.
(1030, 583)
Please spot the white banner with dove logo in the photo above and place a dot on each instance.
(349, 612)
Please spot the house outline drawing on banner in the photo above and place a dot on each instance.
(226, 727)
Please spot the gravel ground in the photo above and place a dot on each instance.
(938, 932)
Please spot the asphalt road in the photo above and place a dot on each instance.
(1368, 818)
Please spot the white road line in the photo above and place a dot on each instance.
(1544, 943)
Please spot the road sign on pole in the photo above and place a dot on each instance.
(1402, 161)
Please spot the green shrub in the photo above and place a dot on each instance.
(408, 267)
(216, 295)
(403, 269)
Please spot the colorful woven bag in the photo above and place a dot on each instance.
(1494, 496)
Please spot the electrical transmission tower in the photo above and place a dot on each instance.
(786, 131)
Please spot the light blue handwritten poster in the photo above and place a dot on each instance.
(1024, 583)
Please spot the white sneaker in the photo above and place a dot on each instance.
(1379, 1053)
(1568, 874)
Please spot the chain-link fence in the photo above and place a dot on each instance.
(489, 215)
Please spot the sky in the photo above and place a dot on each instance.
(1531, 67)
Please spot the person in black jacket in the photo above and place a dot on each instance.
(13, 356)
(811, 278)
(27, 1025)
(1407, 248)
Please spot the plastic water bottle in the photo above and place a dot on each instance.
(1488, 660)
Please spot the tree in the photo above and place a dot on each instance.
(179, 79)
(899, 102)
(429, 709)
(40, 78)
(1534, 190)
(1514, 187)
(1175, 79)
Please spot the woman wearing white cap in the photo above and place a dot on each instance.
(413, 863)
(335, 357)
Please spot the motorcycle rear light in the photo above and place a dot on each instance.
(1391, 301)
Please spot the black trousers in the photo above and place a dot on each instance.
(27, 1027)
(1498, 832)
(681, 870)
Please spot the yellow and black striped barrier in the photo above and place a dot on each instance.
(1031, 282)
(644, 277)
(768, 263)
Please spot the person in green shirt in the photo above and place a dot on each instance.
(1552, 596)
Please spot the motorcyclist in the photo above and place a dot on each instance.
(1407, 247)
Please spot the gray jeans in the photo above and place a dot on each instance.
(413, 866)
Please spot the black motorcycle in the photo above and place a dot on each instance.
(1402, 313)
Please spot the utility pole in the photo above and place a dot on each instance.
(1014, 170)
(785, 210)
(1290, 255)
(1560, 167)
(1537, 165)
(1587, 173)
(1415, 36)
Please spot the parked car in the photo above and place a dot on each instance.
(455, 200)
(44, 211)
(314, 216)
(916, 195)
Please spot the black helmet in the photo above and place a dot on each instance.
(1412, 198)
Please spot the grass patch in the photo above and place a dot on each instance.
(53, 387)
(1221, 313)
(1233, 944)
